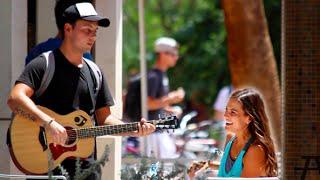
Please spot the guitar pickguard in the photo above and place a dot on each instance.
(58, 150)
(80, 120)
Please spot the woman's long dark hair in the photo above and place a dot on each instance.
(253, 106)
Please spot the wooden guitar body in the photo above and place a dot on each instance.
(30, 143)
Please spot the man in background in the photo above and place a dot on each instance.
(160, 98)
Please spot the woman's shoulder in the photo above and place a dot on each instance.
(255, 152)
(254, 161)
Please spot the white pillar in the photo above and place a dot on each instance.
(108, 49)
(45, 20)
(108, 55)
(13, 33)
(112, 168)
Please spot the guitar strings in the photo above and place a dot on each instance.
(74, 133)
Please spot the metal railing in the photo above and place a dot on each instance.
(260, 178)
(15, 176)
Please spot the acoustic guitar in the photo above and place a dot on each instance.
(30, 143)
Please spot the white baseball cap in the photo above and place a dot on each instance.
(85, 11)
(166, 44)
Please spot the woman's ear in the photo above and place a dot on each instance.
(248, 120)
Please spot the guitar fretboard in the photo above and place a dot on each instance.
(106, 130)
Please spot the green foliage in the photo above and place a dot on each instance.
(177, 172)
(199, 28)
(50, 164)
(64, 172)
(83, 174)
(273, 15)
(130, 172)
(80, 174)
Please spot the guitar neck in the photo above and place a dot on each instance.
(106, 130)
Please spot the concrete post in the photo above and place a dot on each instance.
(46, 23)
(13, 32)
(108, 55)
(108, 49)
(112, 168)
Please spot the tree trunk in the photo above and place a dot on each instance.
(251, 59)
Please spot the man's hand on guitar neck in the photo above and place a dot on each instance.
(144, 128)
(57, 131)
(104, 117)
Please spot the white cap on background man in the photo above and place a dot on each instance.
(166, 44)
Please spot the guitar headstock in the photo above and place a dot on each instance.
(166, 122)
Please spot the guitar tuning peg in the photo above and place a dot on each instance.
(162, 116)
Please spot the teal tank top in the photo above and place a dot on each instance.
(236, 169)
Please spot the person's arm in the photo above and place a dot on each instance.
(157, 103)
(19, 101)
(104, 117)
(197, 167)
(200, 166)
(172, 98)
(254, 162)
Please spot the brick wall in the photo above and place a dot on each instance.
(301, 87)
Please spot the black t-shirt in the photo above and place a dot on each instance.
(158, 86)
(61, 92)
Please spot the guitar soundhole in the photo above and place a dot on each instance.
(72, 136)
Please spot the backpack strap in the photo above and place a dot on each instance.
(97, 81)
(48, 73)
(97, 74)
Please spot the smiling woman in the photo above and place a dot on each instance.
(249, 151)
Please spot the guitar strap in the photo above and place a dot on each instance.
(90, 85)
(76, 98)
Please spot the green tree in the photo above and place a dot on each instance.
(251, 57)
(199, 28)
(202, 67)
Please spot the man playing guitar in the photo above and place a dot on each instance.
(72, 85)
